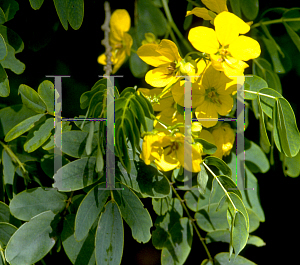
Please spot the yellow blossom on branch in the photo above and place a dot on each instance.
(213, 96)
(119, 39)
(164, 57)
(167, 152)
(227, 49)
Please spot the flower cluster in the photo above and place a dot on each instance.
(211, 73)
(221, 58)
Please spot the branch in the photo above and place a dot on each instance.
(105, 42)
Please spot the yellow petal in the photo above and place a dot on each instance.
(228, 27)
(217, 6)
(127, 43)
(119, 61)
(119, 23)
(200, 12)
(210, 77)
(233, 67)
(207, 111)
(169, 50)
(204, 39)
(226, 106)
(194, 155)
(158, 77)
(244, 48)
(166, 163)
(148, 53)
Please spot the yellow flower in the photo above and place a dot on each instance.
(165, 102)
(164, 57)
(119, 40)
(214, 96)
(224, 138)
(227, 49)
(168, 152)
(178, 90)
(216, 6)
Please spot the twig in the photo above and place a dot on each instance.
(105, 42)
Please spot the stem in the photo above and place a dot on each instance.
(13, 156)
(173, 37)
(2, 255)
(275, 21)
(190, 218)
(68, 203)
(257, 93)
(235, 209)
(194, 3)
(173, 25)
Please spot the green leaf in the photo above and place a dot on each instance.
(62, 12)
(223, 259)
(36, 4)
(268, 103)
(13, 115)
(31, 242)
(4, 86)
(47, 163)
(208, 148)
(12, 38)
(32, 202)
(253, 220)
(143, 179)
(150, 19)
(291, 164)
(288, 130)
(178, 246)
(31, 99)
(6, 231)
(255, 158)
(222, 235)
(86, 97)
(89, 141)
(219, 163)
(76, 175)
(10, 7)
(250, 8)
(293, 35)
(137, 66)
(292, 13)
(188, 20)
(161, 205)
(11, 62)
(256, 241)
(212, 220)
(251, 195)
(253, 83)
(134, 213)
(2, 16)
(262, 127)
(263, 68)
(109, 238)
(75, 13)
(271, 46)
(202, 179)
(236, 7)
(74, 142)
(89, 210)
(3, 78)
(22, 127)
(3, 49)
(82, 252)
(46, 93)
(39, 136)
(239, 206)
(8, 168)
(240, 233)
(229, 185)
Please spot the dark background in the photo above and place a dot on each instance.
(50, 50)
